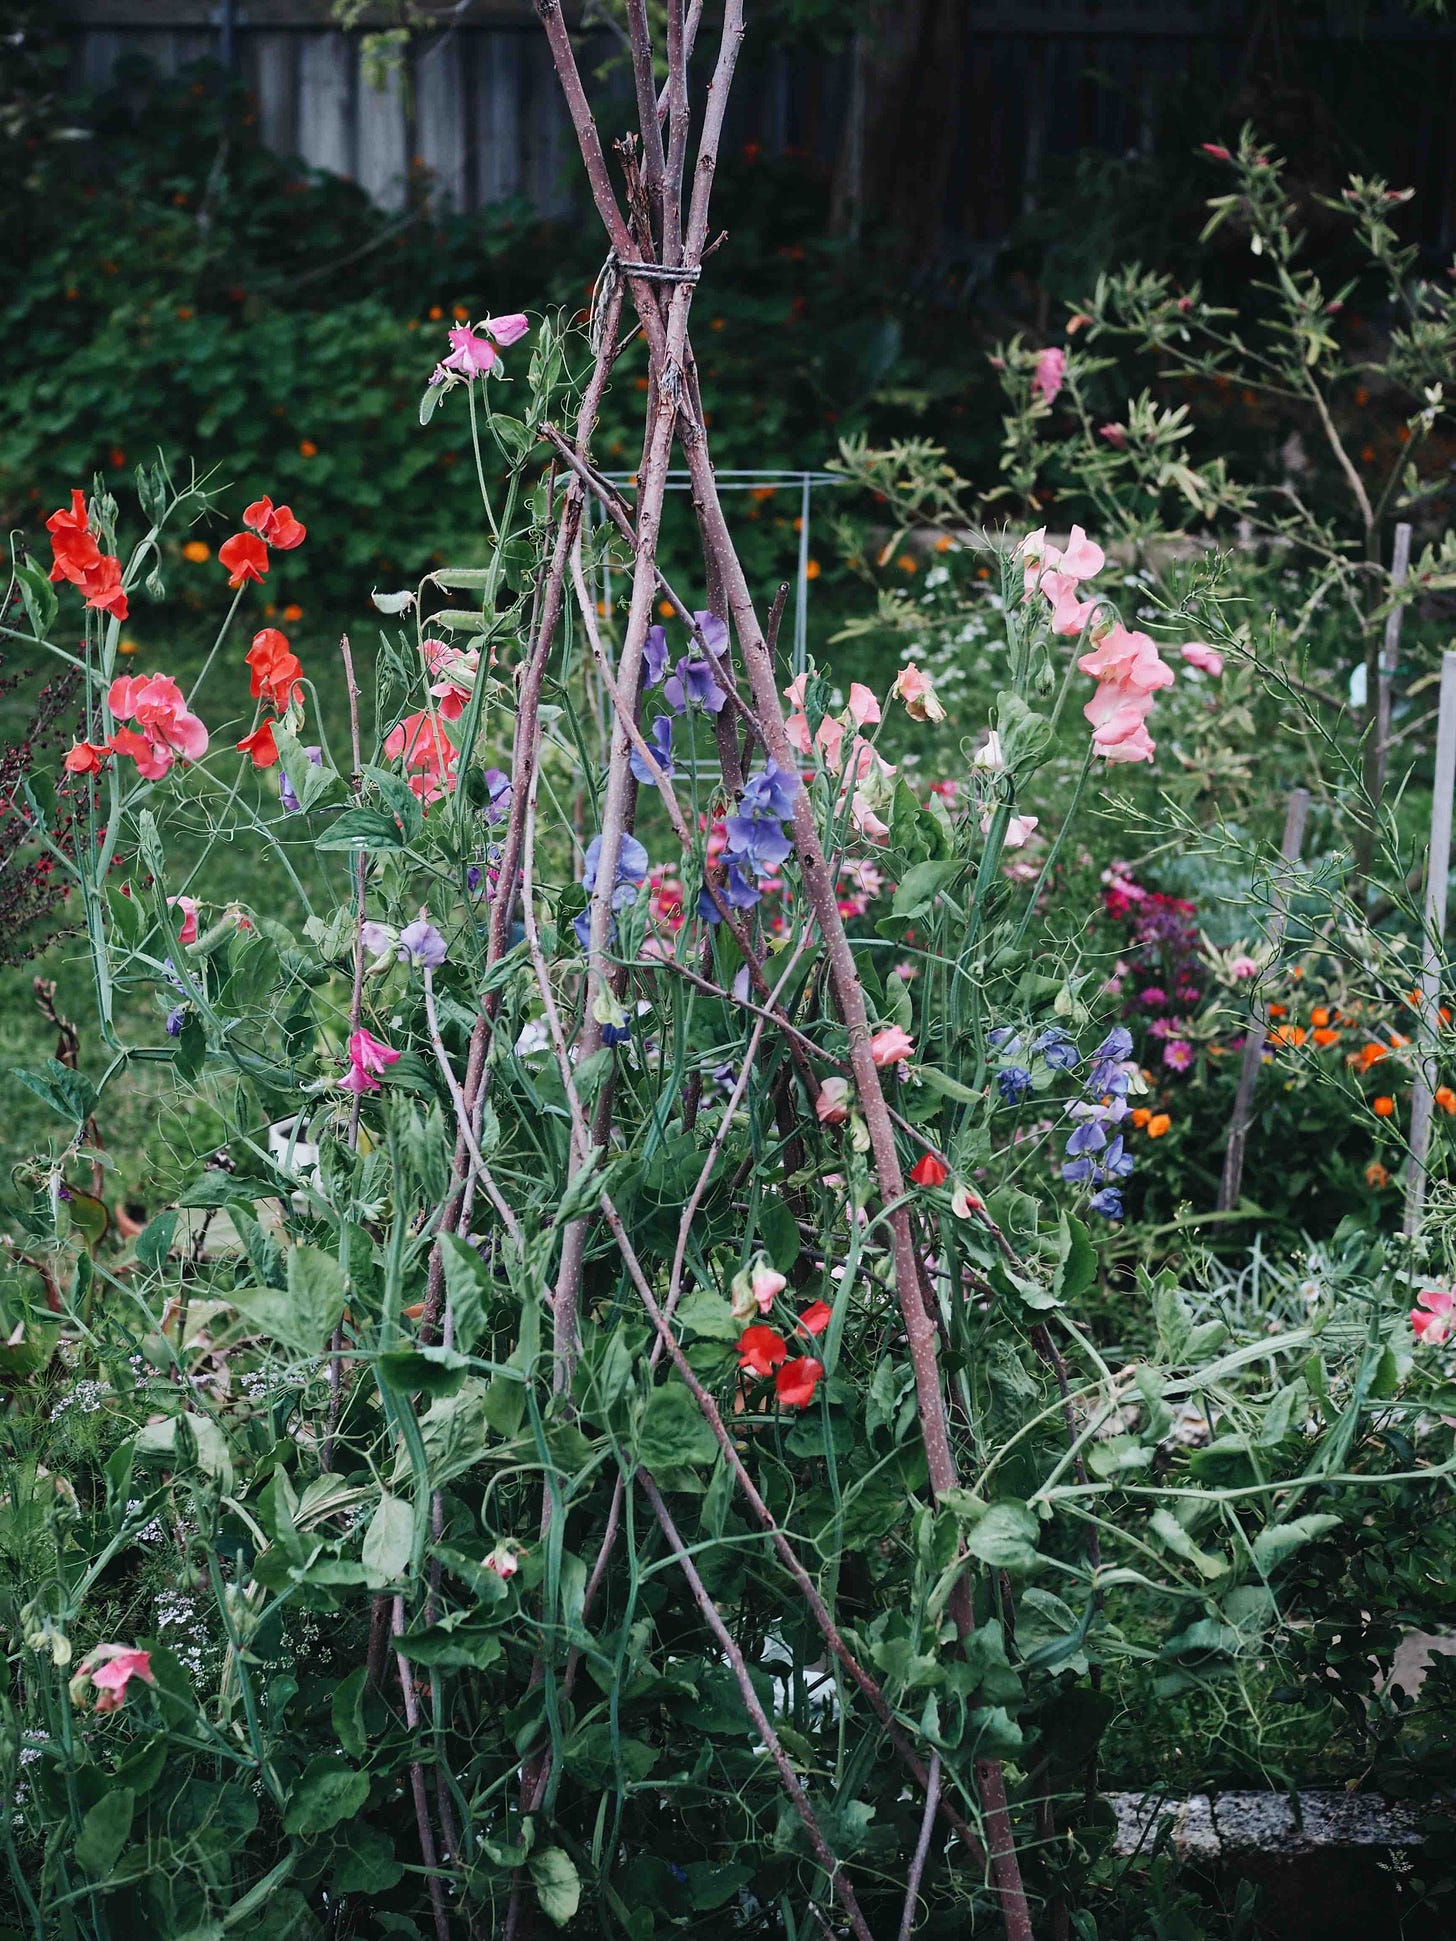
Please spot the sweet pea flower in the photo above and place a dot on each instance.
(760, 1350)
(1206, 659)
(260, 746)
(504, 1560)
(891, 1046)
(1081, 558)
(276, 673)
(659, 740)
(164, 726)
(314, 755)
(795, 1382)
(917, 691)
(1130, 660)
(831, 1107)
(421, 943)
(1115, 434)
(930, 1170)
(368, 1056)
(188, 906)
(109, 1669)
(1434, 1316)
(1018, 829)
(632, 866)
(816, 1317)
(421, 743)
(86, 758)
(989, 755)
(864, 709)
(965, 1204)
(455, 676)
(243, 557)
(275, 525)
(1050, 374)
(691, 685)
(74, 550)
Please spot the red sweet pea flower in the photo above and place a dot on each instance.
(930, 1171)
(245, 557)
(153, 758)
(86, 758)
(102, 586)
(796, 1382)
(760, 1350)
(276, 524)
(816, 1317)
(74, 549)
(260, 745)
(276, 670)
(424, 746)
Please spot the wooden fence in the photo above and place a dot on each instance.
(475, 103)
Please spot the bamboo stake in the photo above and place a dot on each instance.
(1389, 654)
(1243, 1113)
(1438, 870)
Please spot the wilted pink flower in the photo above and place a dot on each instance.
(1206, 659)
(890, 1046)
(504, 1560)
(917, 691)
(367, 1056)
(1051, 371)
(1434, 1316)
(1115, 435)
(832, 1105)
(109, 1669)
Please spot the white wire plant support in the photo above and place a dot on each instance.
(746, 479)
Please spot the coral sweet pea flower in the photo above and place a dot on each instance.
(795, 1382)
(109, 1669)
(368, 1056)
(832, 1105)
(74, 549)
(276, 670)
(930, 1171)
(816, 1317)
(1434, 1316)
(864, 709)
(761, 1349)
(891, 1046)
(164, 725)
(244, 556)
(188, 906)
(103, 588)
(260, 746)
(86, 758)
(276, 525)
(422, 745)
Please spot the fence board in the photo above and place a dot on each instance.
(325, 103)
(270, 62)
(440, 131)
(382, 141)
(495, 64)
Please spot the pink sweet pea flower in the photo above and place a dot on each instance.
(504, 1560)
(1069, 614)
(1082, 557)
(1051, 371)
(507, 330)
(767, 1284)
(891, 1046)
(1434, 1316)
(367, 1056)
(110, 1668)
(1206, 659)
(832, 1105)
(864, 709)
(917, 691)
(455, 673)
(156, 704)
(188, 906)
(1119, 724)
(1129, 660)
(472, 356)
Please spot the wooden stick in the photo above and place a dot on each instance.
(1389, 654)
(1233, 1159)
(1438, 870)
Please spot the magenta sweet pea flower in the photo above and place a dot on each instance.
(367, 1056)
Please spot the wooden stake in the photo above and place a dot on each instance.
(1438, 870)
(1243, 1113)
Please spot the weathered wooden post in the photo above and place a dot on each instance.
(1438, 870)
(1233, 1159)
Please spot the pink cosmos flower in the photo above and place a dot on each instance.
(164, 727)
(1206, 659)
(367, 1056)
(188, 906)
(917, 691)
(832, 1105)
(1051, 371)
(1434, 1316)
(110, 1668)
(891, 1046)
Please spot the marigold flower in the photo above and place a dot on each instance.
(930, 1171)
(1369, 1055)
(1140, 1115)
(891, 1046)
(1319, 1015)
(1158, 1125)
(1445, 1098)
(260, 745)
(761, 1349)
(244, 557)
(1432, 1318)
(1325, 1035)
(796, 1381)
(1383, 1107)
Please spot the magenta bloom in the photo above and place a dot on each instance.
(110, 1668)
(367, 1056)
(1051, 371)
(1178, 1054)
(474, 353)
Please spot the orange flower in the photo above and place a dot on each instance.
(260, 745)
(307, 448)
(1319, 1015)
(908, 563)
(1140, 1115)
(1446, 1098)
(1376, 1175)
(1288, 1034)
(761, 1349)
(1325, 1037)
(812, 569)
(292, 612)
(196, 551)
(276, 671)
(1277, 1010)
(85, 758)
(244, 557)
(1369, 1055)
(795, 1382)
(1158, 1125)
(275, 524)
(1383, 1107)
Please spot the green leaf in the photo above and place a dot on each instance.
(215, 1188)
(303, 1318)
(367, 829)
(1281, 1540)
(422, 1371)
(154, 1242)
(674, 1436)
(469, 1286)
(1170, 1531)
(920, 886)
(105, 1831)
(67, 1093)
(558, 1886)
(388, 1542)
(1005, 1536)
(346, 1711)
(327, 1792)
(706, 1313)
(779, 1232)
(367, 1864)
(308, 782)
(38, 596)
(1076, 1259)
(453, 1644)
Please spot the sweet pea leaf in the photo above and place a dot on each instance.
(920, 886)
(367, 829)
(674, 1437)
(326, 1793)
(105, 1831)
(558, 1886)
(1281, 1540)
(1004, 1536)
(388, 1542)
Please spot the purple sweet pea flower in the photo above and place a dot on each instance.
(498, 794)
(285, 788)
(632, 867)
(692, 685)
(1086, 1137)
(654, 655)
(1014, 1083)
(175, 1020)
(660, 742)
(1108, 1203)
(421, 943)
(771, 792)
(738, 892)
(756, 842)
